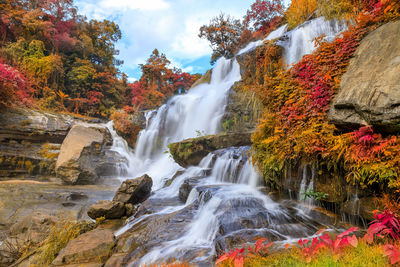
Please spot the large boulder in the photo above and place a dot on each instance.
(134, 191)
(91, 247)
(81, 154)
(107, 209)
(370, 89)
(190, 152)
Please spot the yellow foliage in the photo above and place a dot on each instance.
(299, 11)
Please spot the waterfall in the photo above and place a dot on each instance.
(300, 41)
(197, 212)
(183, 116)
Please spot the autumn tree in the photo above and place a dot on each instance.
(223, 33)
(159, 81)
(263, 15)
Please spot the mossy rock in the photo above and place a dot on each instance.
(191, 151)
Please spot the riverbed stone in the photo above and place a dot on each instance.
(108, 209)
(134, 191)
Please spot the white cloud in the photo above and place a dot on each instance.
(171, 26)
(133, 4)
(189, 69)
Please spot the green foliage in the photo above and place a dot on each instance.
(311, 194)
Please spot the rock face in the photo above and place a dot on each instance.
(370, 89)
(108, 209)
(206, 78)
(30, 141)
(90, 247)
(81, 154)
(134, 191)
(192, 151)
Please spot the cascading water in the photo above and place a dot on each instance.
(223, 204)
(300, 41)
(273, 35)
(197, 212)
(183, 116)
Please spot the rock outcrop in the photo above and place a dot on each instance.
(30, 141)
(81, 154)
(370, 89)
(190, 152)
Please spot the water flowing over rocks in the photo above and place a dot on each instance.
(370, 89)
(81, 154)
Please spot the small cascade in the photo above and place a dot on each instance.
(273, 35)
(307, 185)
(233, 166)
(300, 41)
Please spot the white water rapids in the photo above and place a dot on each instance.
(224, 201)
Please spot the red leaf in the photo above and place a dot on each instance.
(350, 230)
(353, 240)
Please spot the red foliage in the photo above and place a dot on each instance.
(13, 86)
(385, 224)
(392, 252)
(237, 256)
(264, 14)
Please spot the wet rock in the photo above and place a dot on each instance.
(191, 151)
(134, 191)
(81, 153)
(91, 247)
(108, 209)
(172, 179)
(370, 89)
(186, 188)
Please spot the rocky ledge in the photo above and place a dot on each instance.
(190, 152)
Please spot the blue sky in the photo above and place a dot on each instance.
(171, 26)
